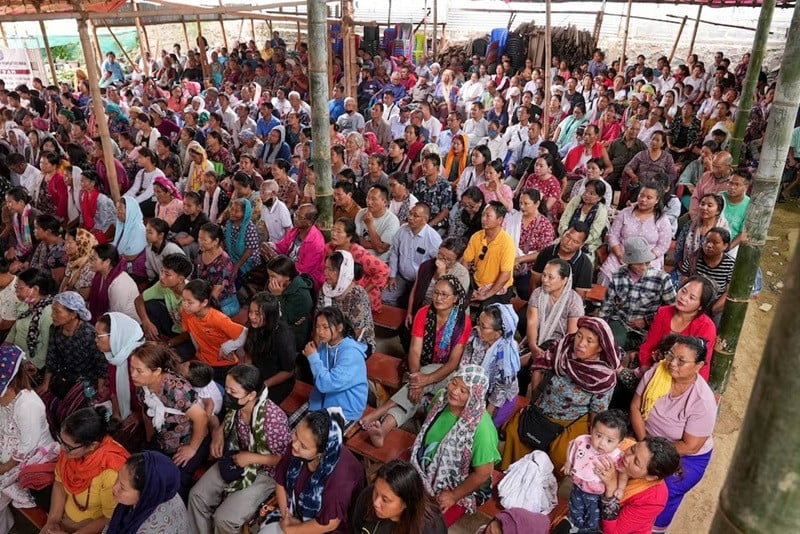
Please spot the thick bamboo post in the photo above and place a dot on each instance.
(97, 107)
(348, 48)
(185, 35)
(694, 32)
(202, 45)
(253, 29)
(435, 44)
(3, 35)
(751, 80)
(297, 12)
(677, 38)
(141, 36)
(124, 52)
(548, 77)
(222, 27)
(96, 42)
(318, 43)
(625, 39)
(50, 61)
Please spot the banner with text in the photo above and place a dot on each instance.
(15, 67)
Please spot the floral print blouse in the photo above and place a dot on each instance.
(533, 237)
(376, 272)
(48, 257)
(564, 401)
(276, 430)
(178, 394)
(219, 273)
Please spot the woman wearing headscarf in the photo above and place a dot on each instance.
(75, 370)
(25, 439)
(117, 120)
(456, 448)
(169, 201)
(130, 237)
(317, 483)
(439, 334)
(241, 239)
(19, 142)
(117, 335)
(584, 375)
(252, 439)
(78, 273)
(147, 497)
(492, 346)
(198, 167)
(455, 160)
(98, 213)
(516, 521)
(87, 469)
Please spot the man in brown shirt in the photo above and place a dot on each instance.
(343, 203)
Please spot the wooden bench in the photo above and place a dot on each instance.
(518, 303)
(492, 507)
(37, 516)
(597, 293)
(386, 372)
(297, 398)
(390, 317)
(396, 445)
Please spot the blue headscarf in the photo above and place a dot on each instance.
(503, 355)
(111, 107)
(237, 250)
(129, 236)
(310, 501)
(162, 478)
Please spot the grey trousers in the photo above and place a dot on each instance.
(406, 409)
(209, 513)
(272, 528)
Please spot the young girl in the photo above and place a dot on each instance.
(158, 247)
(608, 430)
(214, 198)
(216, 337)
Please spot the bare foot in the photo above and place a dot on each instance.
(368, 421)
(375, 433)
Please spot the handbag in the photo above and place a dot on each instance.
(537, 431)
(228, 470)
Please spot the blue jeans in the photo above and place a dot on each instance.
(584, 510)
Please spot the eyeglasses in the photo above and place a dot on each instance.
(98, 336)
(671, 356)
(68, 448)
(483, 252)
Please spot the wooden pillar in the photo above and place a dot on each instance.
(222, 27)
(50, 61)
(297, 13)
(548, 78)
(678, 38)
(253, 30)
(97, 107)
(185, 35)
(625, 39)
(203, 48)
(349, 49)
(3, 35)
(96, 41)
(435, 28)
(694, 33)
(141, 35)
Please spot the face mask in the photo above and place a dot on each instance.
(493, 133)
(30, 299)
(231, 403)
(270, 202)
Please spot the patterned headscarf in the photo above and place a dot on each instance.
(449, 465)
(452, 330)
(593, 376)
(504, 353)
(10, 358)
(167, 185)
(75, 303)
(84, 242)
(197, 169)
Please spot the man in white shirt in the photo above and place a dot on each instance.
(517, 134)
(24, 175)
(476, 127)
(390, 108)
(375, 224)
(446, 137)
(228, 115)
(398, 123)
(351, 120)
(528, 149)
(274, 213)
(430, 123)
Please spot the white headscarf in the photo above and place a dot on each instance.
(125, 336)
(346, 275)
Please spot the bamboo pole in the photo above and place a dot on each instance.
(3, 35)
(677, 38)
(751, 80)
(761, 491)
(435, 46)
(548, 77)
(202, 45)
(97, 107)
(320, 131)
(348, 48)
(140, 34)
(96, 42)
(694, 32)
(50, 61)
(598, 23)
(622, 58)
(124, 52)
(762, 201)
(222, 27)
(185, 35)
(253, 28)
(297, 12)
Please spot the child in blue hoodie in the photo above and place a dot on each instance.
(338, 363)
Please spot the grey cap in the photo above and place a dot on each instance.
(637, 250)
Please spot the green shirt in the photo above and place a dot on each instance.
(735, 214)
(172, 301)
(484, 447)
(18, 335)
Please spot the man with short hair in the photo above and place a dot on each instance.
(25, 175)
(377, 125)
(446, 136)
(398, 123)
(714, 181)
(343, 203)
(111, 71)
(492, 252)
(351, 120)
(336, 104)
(528, 148)
(414, 243)
(567, 248)
(476, 127)
(274, 213)
(375, 224)
(435, 191)
(266, 122)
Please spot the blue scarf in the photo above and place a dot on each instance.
(162, 478)
(310, 501)
(504, 353)
(237, 250)
(129, 236)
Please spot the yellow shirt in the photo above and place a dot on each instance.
(498, 258)
(101, 500)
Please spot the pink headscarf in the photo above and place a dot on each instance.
(167, 184)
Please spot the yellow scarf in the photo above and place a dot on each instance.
(635, 485)
(658, 386)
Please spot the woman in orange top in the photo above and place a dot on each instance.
(85, 474)
(215, 335)
(456, 159)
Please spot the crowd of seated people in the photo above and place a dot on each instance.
(151, 339)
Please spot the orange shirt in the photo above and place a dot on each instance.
(209, 333)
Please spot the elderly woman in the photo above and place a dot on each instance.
(318, 481)
(674, 402)
(78, 273)
(456, 448)
(74, 367)
(241, 240)
(337, 362)
(87, 469)
(438, 337)
(396, 502)
(31, 331)
(493, 347)
(584, 374)
(342, 291)
(175, 423)
(130, 238)
(355, 157)
(25, 439)
(147, 497)
(169, 202)
(375, 272)
(252, 439)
